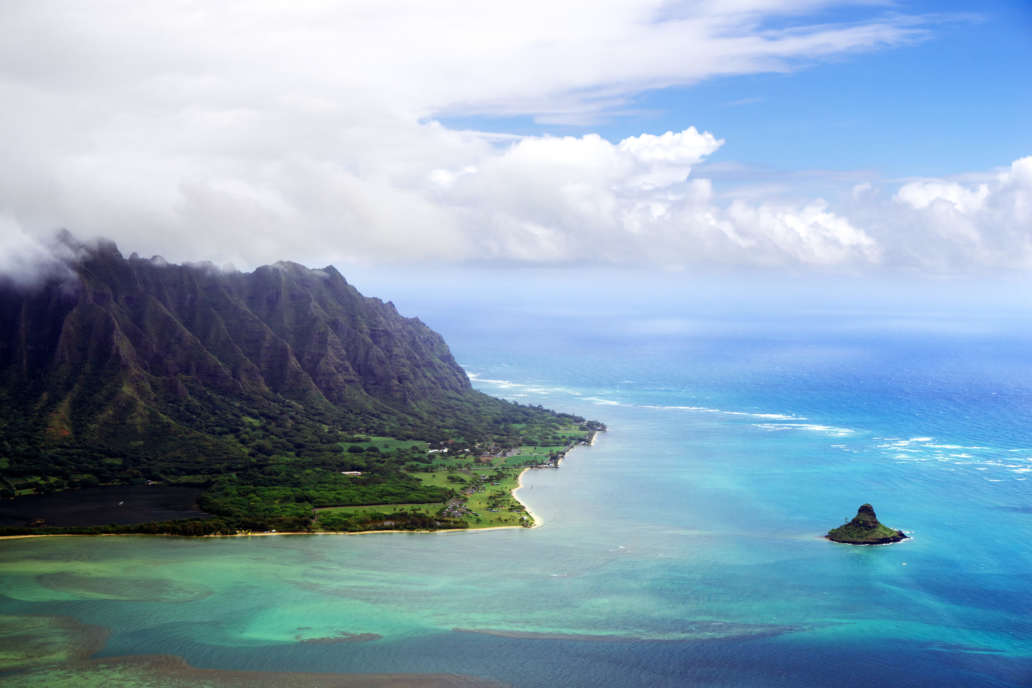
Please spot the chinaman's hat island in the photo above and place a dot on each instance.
(865, 529)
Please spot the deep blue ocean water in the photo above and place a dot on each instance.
(688, 536)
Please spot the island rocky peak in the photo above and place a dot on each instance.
(865, 529)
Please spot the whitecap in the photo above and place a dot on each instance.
(603, 402)
(708, 409)
(830, 430)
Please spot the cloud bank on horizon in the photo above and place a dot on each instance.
(253, 131)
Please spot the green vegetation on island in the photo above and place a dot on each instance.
(865, 529)
(290, 400)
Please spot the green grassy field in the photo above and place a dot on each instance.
(494, 504)
(379, 483)
(373, 510)
(485, 483)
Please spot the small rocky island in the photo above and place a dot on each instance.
(865, 529)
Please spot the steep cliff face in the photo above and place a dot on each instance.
(137, 357)
(305, 334)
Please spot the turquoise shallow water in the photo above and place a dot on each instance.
(683, 548)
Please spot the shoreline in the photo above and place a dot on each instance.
(538, 521)
(519, 485)
(260, 534)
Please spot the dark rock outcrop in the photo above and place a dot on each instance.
(865, 529)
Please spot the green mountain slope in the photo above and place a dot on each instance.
(135, 370)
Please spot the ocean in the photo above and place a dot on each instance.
(684, 548)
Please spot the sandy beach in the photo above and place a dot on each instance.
(519, 486)
(519, 483)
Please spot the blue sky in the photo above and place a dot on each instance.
(958, 100)
(820, 136)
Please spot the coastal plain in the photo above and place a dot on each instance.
(485, 489)
(479, 492)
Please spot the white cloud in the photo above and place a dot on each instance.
(1020, 174)
(585, 198)
(667, 159)
(25, 259)
(250, 131)
(861, 190)
(956, 225)
(920, 195)
(808, 235)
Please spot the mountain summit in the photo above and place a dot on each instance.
(123, 370)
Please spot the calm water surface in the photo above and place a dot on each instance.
(683, 548)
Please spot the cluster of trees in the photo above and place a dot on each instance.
(190, 527)
(386, 520)
(269, 464)
(218, 437)
(284, 495)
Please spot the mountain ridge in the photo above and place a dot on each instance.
(133, 369)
